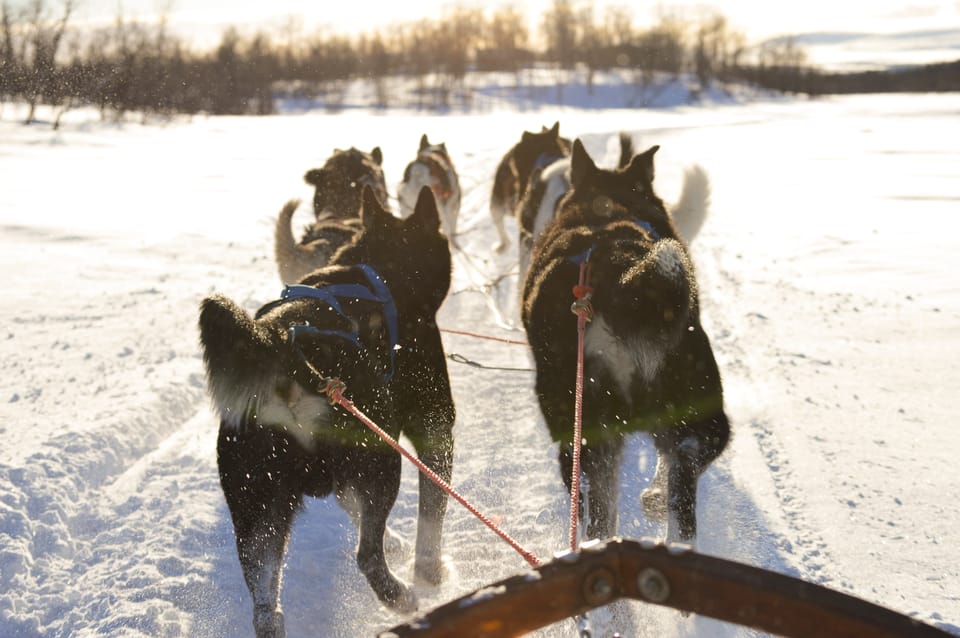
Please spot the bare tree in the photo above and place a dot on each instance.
(560, 32)
(9, 64)
(505, 41)
(43, 39)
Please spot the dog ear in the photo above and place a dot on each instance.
(425, 213)
(581, 165)
(313, 176)
(424, 142)
(372, 214)
(555, 131)
(641, 166)
(377, 155)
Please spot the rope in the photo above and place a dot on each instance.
(459, 358)
(334, 389)
(584, 311)
(480, 336)
(581, 307)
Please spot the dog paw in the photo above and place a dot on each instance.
(402, 599)
(430, 572)
(268, 623)
(499, 247)
(654, 502)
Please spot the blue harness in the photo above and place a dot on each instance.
(545, 159)
(330, 295)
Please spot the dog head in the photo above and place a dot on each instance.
(340, 180)
(534, 148)
(431, 168)
(426, 146)
(411, 254)
(596, 192)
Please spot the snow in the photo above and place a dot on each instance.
(827, 271)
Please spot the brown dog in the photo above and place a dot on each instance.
(336, 208)
(513, 173)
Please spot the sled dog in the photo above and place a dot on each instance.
(534, 150)
(538, 205)
(432, 168)
(649, 366)
(367, 319)
(336, 208)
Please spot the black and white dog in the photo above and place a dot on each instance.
(434, 168)
(368, 319)
(534, 150)
(336, 209)
(649, 366)
(538, 204)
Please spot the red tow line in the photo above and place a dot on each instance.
(584, 311)
(334, 390)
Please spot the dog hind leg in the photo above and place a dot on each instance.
(375, 504)
(436, 451)
(686, 452)
(602, 469)
(498, 211)
(350, 503)
(263, 509)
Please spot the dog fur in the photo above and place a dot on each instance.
(321, 241)
(434, 168)
(336, 207)
(514, 170)
(649, 366)
(281, 440)
(538, 205)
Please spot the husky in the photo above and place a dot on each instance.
(648, 362)
(434, 168)
(336, 208)
(538, 205)
(367, 319)
(534, 150)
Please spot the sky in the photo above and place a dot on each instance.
(758, 19)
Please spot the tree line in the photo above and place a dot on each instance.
(137, 66)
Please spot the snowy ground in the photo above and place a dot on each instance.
(829, 286)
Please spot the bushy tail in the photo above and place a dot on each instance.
(691, 208)
(293, 260)
(236, 353)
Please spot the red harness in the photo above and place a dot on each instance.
(443, 190)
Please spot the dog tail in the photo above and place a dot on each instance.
(691, 208)
(235, 350)
(626, 150)
(293, 259)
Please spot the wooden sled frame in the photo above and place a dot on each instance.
(672, 576)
